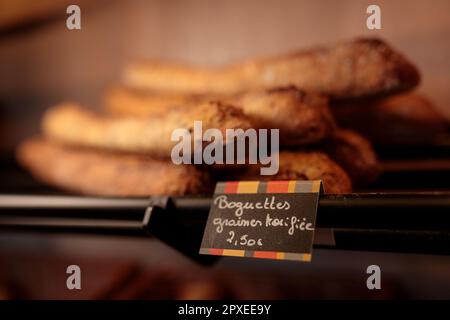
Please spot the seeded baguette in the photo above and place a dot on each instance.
(346, 70)
(303, 118)
(124, 101)
(299, 165)
(404, 120)
(74, 125)
(356, 155)
(95, 172)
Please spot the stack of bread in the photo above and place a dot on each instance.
(125, 150)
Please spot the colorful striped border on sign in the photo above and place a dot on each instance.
(240, 187)
(306, 257)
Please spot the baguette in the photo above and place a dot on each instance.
(74, 125)
(303, 118)
(404, 120)
(346, 70)
(298, 165)
(356, 155)
(95, 172)
(123, 101)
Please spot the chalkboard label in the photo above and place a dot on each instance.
(269, 220)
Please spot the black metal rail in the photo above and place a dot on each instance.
(401, 222)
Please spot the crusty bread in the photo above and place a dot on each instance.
(123, 101)
(298, 165)
(353, 69)
(409, 119)
(74, 125)
(303, 118)
(356, 155)
(95, 172)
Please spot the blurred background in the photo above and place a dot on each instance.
(43, 63)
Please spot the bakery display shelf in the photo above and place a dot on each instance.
(402, 212)
(392, 222)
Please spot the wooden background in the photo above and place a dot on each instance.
(49, 63)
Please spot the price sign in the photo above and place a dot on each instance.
(272, 220)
